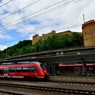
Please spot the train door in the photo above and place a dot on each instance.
(51, 69)
(77, 70)
(6, 72)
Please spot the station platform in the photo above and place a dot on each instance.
(73, 79)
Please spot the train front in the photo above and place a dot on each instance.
(44, 69)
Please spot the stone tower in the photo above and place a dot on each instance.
(88, 30)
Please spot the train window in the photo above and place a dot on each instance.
(88, 69)
(1, 71)
(18, 69)
(66, 69)
(12, 69)
(30, 69)
(34, 69)
(71, 69)
(61, 69)
(25, 69)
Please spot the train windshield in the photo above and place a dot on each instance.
(41, 65)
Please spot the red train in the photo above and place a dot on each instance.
(23, 70)
(76, 69)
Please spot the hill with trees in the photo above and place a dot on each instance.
(51, 43)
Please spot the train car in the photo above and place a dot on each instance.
(23, 70)
(76, 69)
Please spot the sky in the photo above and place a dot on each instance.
(21, 19)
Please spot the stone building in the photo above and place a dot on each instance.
(88, 30)
(36, 37)
(45, 36)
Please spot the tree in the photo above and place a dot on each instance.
(51, 43)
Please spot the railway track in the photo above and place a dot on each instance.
(46, 81)
(9, 92)
(47, 88)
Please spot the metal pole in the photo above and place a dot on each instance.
(84, 69)
(83, 18)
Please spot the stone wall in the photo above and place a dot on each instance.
(45, 36)
(88, 30)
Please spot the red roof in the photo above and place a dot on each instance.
(72, 65)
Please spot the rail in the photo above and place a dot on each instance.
(50, 89)
(9, 92)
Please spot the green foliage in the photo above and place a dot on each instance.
(59, 41)
(51, 43)
(18, 49)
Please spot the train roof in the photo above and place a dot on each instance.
(27, 62)
(22, 62)
(72, 65)
(17, 65)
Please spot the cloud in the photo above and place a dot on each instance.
(26, 29)
(3, 35)
(2, 47)
(66, 17)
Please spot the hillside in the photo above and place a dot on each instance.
(51, 43)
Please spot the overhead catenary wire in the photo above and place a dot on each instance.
(20, 9)
(26, 17)
(4, 28)
(45, 12)
(5, 3)
(30, 5)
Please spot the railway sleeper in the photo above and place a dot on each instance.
(83, 92)
(12, 92)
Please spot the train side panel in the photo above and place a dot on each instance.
(76, 69)
(22, 70)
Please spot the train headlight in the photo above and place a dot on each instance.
(35, 73)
